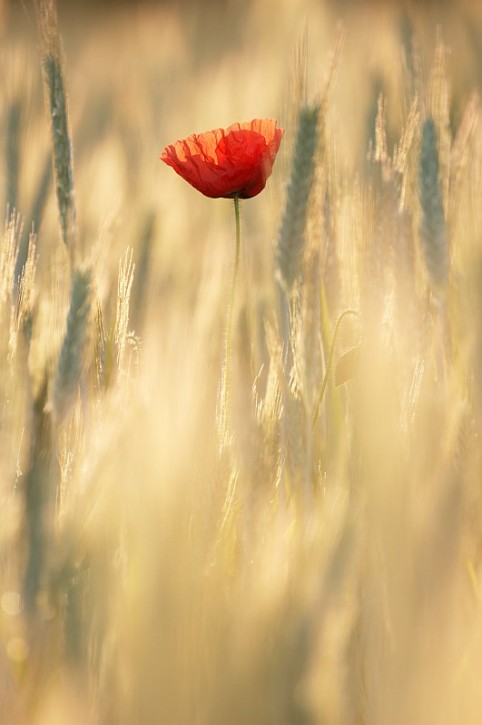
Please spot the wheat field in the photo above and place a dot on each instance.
(303, 546)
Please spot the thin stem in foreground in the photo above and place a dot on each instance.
(329, 365)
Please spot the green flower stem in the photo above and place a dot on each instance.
(227, 363)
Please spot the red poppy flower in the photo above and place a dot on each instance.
(230, 162)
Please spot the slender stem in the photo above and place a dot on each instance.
(329, 364)
(227, 362)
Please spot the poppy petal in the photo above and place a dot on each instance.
(236, 161)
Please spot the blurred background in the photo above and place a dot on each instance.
(188, 584)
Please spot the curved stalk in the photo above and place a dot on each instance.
(329, 364)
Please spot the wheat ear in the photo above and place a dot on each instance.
(72, 358)
(433, 230)
(56, 95)
(291, 234)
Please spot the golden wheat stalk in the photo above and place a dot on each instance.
(124, 287)
(12, 151)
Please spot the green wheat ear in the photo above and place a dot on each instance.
(433, 230)
(75, 344)
(292, 230)
(62, 147)
(56, 95)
